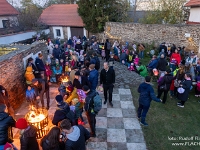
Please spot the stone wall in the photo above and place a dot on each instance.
(12, 71)
(147, 33)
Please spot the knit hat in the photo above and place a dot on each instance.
(59, 99)
(85, 88)
(21, 123)
(7, 145)
(2, 107)
(77, 73)
(70, 88)
(34, 81)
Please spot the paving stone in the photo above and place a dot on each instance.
(117, 146)
(136, 146)
(115, 97)
(129, 113)
(101, 135)
(124, 91)
(127, 105)
(131, 123)
(116, 135)
(102, 112)
(115, 123)
(101, 122)
(134, 136)
(97, 145)
(116, 104)
(114, 112)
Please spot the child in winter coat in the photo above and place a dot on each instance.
(57, 70)
(78, 109)
(136, 60)
(29, 75)
(103, 54)
(48, 71)
(62, 64)
(81, 57)
(132, 67)
(67, 68)
(31, 96)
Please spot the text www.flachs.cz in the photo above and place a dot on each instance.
(186, 144)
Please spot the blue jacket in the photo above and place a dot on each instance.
(146, 94)
(153, 64)
(115, 51)
(39, 64)
(93, 79)
(56, 53)
(55, 71)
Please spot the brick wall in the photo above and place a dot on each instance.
(147, 33)
(12, 71)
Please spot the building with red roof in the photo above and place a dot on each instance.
(64, 20)
(194, 17)
(8, 15)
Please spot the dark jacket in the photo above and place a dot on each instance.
(84, 81)
(28, 139)
(186, 84)
(162, 63)
(56, 53)
(107, 77)
(123, 56)
(95, 60)
(39, 64)
(167, 79)
(93, 79)
(63, 112)
(41, 87)
(146, 94)
(163, 48)
(87, 105)
(76, 140)
(46, 145)
(130, 58)
(6, 121)
(153, 64)
(78, 46)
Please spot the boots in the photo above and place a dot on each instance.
(143, 122)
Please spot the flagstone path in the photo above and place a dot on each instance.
(117, 127)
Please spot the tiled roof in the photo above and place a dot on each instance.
(62, 15)
(191, 22)
(193, 3)
(7, 9)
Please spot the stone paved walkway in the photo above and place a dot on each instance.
(117, 128)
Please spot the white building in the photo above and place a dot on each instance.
(8, 15)
(194, 17)
(64, 21)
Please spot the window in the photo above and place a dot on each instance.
(6, 23)
(58, 32)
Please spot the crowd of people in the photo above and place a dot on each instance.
(76, 72)
(74, 66)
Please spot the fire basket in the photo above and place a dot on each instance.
(39, 119)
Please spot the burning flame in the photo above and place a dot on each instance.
(65, 79)
(35, 115)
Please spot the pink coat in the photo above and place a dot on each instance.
(136, 61)
(48, 71)
(131, 68)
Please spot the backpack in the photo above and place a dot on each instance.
(97, 103)
(198, 86)
(108, 46)
(71, 116)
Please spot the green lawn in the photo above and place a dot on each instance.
(167, 121)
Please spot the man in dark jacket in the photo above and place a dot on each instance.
(39, 64)
(56, 52)
(91, 116)
(162, 63)
(6, 122)
(165, 80)
(146, 95)
(107, 48)
(76, 135)
(41, 86)
(93, 77)
(28, 139)
(163, 48)
(80, 81)
(63, 112)
(107, 78)
(95, 60)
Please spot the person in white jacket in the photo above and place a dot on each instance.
(50, 47)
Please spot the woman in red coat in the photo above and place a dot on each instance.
(175, 59)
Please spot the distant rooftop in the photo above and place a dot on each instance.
(7, 9)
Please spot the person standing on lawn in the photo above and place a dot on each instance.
(146, 95)
(107, 78)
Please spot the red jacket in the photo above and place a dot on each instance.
(177, 57)
(48, 71)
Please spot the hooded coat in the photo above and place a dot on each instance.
(6, 121)
(29, 74)
(186, 84)
(28, 139)
(142, 71)
(146, 94)
(93, 79)
(39, 64)
(76, 140)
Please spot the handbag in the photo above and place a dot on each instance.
(176, 83)
(163, 87)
